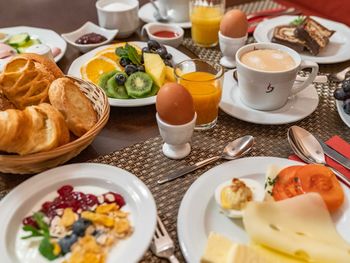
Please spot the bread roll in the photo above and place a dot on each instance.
(76, 108)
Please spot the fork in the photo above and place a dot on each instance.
(162, 245)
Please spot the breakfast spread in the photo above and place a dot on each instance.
(343, 94)
(304, 33)
(90, 38)
(29, 124)
(76, 226)
(124, 71)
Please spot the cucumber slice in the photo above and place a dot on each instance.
(18, 40)
(114, 90)
(102, 82)
(138, 85)
(153, 91)
(31, 42)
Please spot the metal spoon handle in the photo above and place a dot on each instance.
(340, 176)
(187, 169)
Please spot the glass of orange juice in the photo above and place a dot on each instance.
(205, 17)
(204, 82)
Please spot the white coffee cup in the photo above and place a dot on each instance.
(118, 14)
(270, 90)
(229, 47)
(177, 10)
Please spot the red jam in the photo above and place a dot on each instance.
(165, 34)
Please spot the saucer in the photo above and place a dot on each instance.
(297, 107)
(146, 14)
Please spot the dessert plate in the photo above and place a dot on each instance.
(345, 117)
(336, 51)
(146, 14)
(74, 70)
(46, 36)
(199, 213)
(296, 108)
(89, 177)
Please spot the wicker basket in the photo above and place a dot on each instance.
(37, 162)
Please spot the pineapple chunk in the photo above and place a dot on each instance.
(155, 67)
(169, 74)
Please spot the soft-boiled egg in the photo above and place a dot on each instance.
(234, 24)
(232, 202)
(174, 104)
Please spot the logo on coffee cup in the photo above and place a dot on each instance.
(269, 88)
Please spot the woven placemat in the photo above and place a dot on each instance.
(147, 162)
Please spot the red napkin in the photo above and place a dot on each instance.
(340, 146)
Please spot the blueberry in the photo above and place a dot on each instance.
(340, 94)
(346, 106)
(124, 62)
(168, 63)
(162, 52)
(168, 56)
(129, 69)
(141, 68)
(80, 226)
(153, 45)
(67, 242)
(120, 79)
(346, 85)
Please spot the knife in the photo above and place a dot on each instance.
(334, 155)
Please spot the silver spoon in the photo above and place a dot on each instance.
(233, 150)
(307, 147)
(340, 76)
(158, 15)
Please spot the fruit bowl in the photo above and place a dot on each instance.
(38, 162)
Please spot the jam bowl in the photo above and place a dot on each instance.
(165, 34)
(89, 36)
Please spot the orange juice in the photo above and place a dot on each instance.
(206, 93)
(206, 24)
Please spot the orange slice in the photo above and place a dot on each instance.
(95, 67)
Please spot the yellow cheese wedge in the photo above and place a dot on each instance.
(218, 249)
(300, 226)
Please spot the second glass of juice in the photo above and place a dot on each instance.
(205, 18)
(204, 82)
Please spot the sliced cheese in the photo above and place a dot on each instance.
(300, 226)
(273, 256)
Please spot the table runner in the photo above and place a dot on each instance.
(146, 161)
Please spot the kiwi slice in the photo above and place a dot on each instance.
(138, 85)
(113, 90)
(153, 91)
(102, 82)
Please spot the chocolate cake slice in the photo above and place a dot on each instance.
(285, 35)
(315, 35)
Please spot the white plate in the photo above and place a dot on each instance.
(139, 201)
(336, 51)
(46, 36)
(345, 117)
(296, 108)
(74, 70)
(146, 14)
(199, 213)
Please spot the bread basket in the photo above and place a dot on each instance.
(38, 162)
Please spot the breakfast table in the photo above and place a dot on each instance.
(131, 139)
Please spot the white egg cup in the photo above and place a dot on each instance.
(176, 138)
(229, 47)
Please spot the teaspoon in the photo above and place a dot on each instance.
(233, 150)
(307, 147)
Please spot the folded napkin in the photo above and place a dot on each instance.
(340, 146)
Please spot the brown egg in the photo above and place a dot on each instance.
(174, 104)
(234, 24)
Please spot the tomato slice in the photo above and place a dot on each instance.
(286, 184)
(320, 179)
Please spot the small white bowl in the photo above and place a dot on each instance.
(87, 28)
(152, 28)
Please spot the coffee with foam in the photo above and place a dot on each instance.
(268, 60)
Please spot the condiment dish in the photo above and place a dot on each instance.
(87, 28)
(174, 41)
